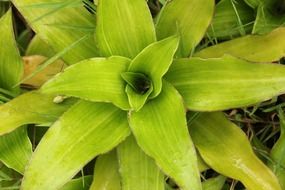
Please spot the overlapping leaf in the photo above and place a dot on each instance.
(16, 149)
(123, 28)
(97, 79)
(11, 67)
(181, 17)
(255, 48)
(160, 130)
(84, 131)
(225, 148)
(32, 107)
(53, 23)
(231, 19)
(224, 83)
(138, 171)
(106, 172)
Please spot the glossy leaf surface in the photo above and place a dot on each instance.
(160, 130)
(226, 149)
(106, 172)
(84, 131)
(11, 66)
(53, 23)
(180, 17)
(31, 108)
(97, 79)
(138, 171)
(224, 83)
(256, 48)
(16, 149)
(123, 28)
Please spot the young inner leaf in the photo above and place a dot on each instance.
(139, 82)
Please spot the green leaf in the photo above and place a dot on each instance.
(231, 19)
(278, 153)
(256, 48)
(11, 66)
(106, 172)
(37, 46)
(53, 23)
(154, 61)
(123, 28)
(188, 18)
(160, 130)
(32, 107)
(82, 183)
(269, 17)
(215, 183)
(138, 171)
(224, 83)
(254, 3)
(97, 79)
(16, 149)
(83, 132)
(226, 149)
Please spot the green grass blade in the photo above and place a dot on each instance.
(256, 48)
(226, 149)
(123, 28)
(231, 19)
(106, 172)
(267, 19)
(16, 149)
(11, 66)
(86, 130)
(99, 80)
(188, 18)
(224, 83)
(47, 19)
(32, 107)
(160, 130)
(138, 171)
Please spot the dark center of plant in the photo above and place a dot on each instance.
(139, 82)
(278, 8)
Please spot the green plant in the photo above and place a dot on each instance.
(125, 94)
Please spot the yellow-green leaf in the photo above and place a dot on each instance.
(11, 66)
(53, 23)
(138, 171)
(256, 48)
(83, 132)
(215, 183)
(97, 79)
(226, 149)
(16, 149)
(31, 108)
(123, 28)
(106, 172)
(187, 18)
(224, 83)
(160, 130)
